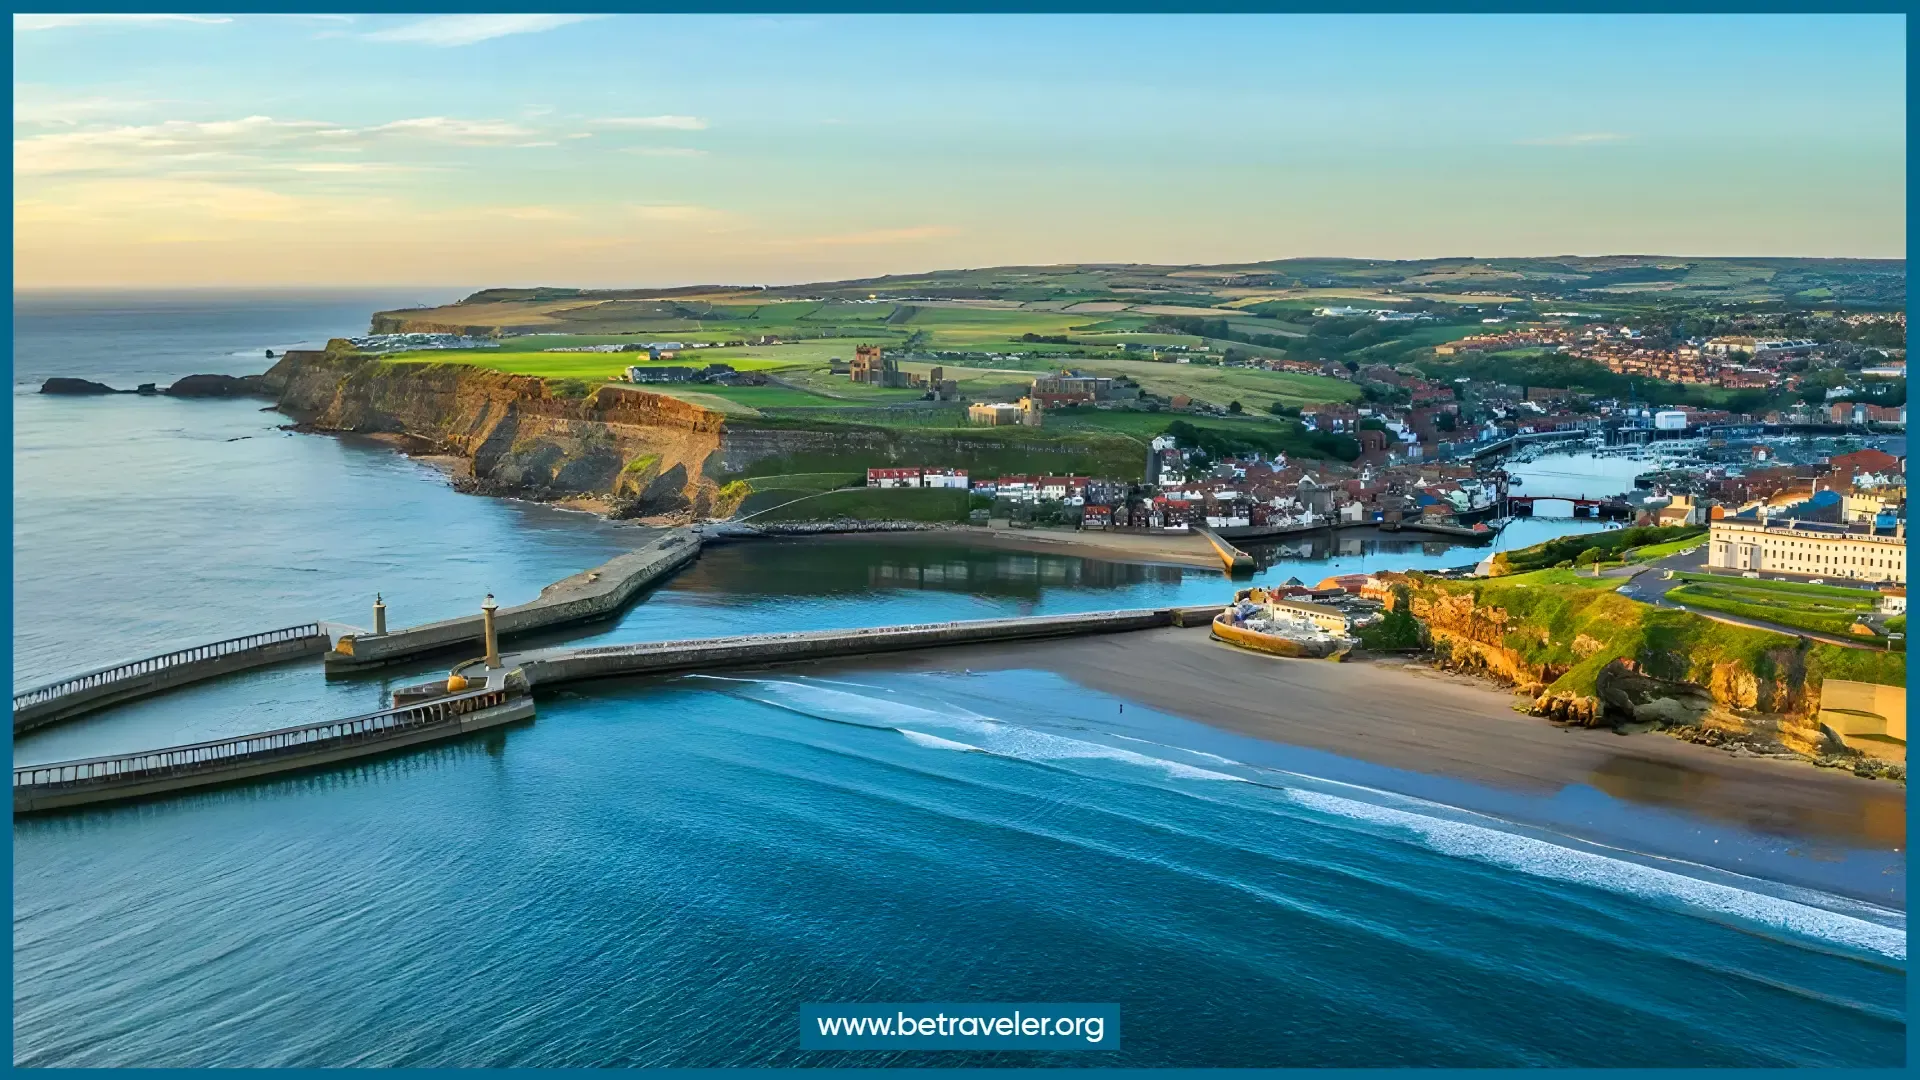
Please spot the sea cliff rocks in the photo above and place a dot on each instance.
(646, 452)
(213, 386)
(76, 387)
(1628, 692)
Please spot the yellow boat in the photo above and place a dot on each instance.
(1261, 623)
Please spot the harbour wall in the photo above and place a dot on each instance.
(64, 784)
(584, 597)
(77, 695)
(550, 667)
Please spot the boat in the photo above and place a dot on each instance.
(1260, 622)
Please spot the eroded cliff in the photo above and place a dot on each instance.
(647, 453)
(1589, 656)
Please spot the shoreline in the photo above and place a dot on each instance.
(1460, 741)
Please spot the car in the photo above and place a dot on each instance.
(1818, 581)
(1755, 574)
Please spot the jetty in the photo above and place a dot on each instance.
(127, 776)
(501, 691)
(1238, 563)
(117, 683)
(585, 597)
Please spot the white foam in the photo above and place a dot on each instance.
(992, 736)
(935, 742)
(1542, 859)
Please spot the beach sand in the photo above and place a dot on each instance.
(1410, 716)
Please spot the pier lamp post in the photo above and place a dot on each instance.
(379, 614)
(487, 608)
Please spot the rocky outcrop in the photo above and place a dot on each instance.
(76, 387)
(1626, 691)
(648, 451)
(215, 386)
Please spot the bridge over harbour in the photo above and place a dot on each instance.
(1583, 507)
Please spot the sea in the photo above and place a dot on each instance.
(662, 872)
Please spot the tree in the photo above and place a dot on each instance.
(1235, 408)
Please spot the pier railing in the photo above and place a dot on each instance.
(40, 695)
(177, 761)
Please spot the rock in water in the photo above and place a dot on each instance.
(75, 386)
(212, 386)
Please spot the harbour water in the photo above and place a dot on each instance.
(661, 873)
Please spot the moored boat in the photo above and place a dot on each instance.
(1263, 623)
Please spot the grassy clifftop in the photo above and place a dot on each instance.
(1553, 634)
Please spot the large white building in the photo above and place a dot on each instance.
(1809, 548)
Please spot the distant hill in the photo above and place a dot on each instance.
(1599, 283)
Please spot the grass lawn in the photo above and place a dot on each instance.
(592, 367)
(1656, 552)
(805, 481)
(756, 397)
(1835, 592)
(1831, 613)
(1254, 388)
(1145, 425)
(877, 504)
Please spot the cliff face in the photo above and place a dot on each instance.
(1590, 656)
(647, 451)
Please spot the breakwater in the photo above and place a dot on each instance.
(506, 696)
(152, 772)
(1238, 563)
(584, 597)
(550, 667)
(75, 695)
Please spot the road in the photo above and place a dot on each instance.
(1650, 585)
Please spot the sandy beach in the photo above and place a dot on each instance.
(1409, 716)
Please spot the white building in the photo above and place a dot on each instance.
(1809, 549)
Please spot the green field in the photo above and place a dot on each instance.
(593, 367)
(1610, 543)
(1656, 552)
(875, 504)
(1820, 608)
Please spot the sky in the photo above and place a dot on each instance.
(186, 151)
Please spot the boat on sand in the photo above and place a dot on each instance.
(1261, 622)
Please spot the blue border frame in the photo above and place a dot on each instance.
(1455, 7)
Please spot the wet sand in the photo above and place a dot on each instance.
(1412, 717)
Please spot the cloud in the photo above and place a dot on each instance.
(659, 123)
(446, 31)
(447, 129)
(29, 23)
(665, 151)
(1585, 139)
(912, 234)
(173, 143)
(38, 106)
(676, 213)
